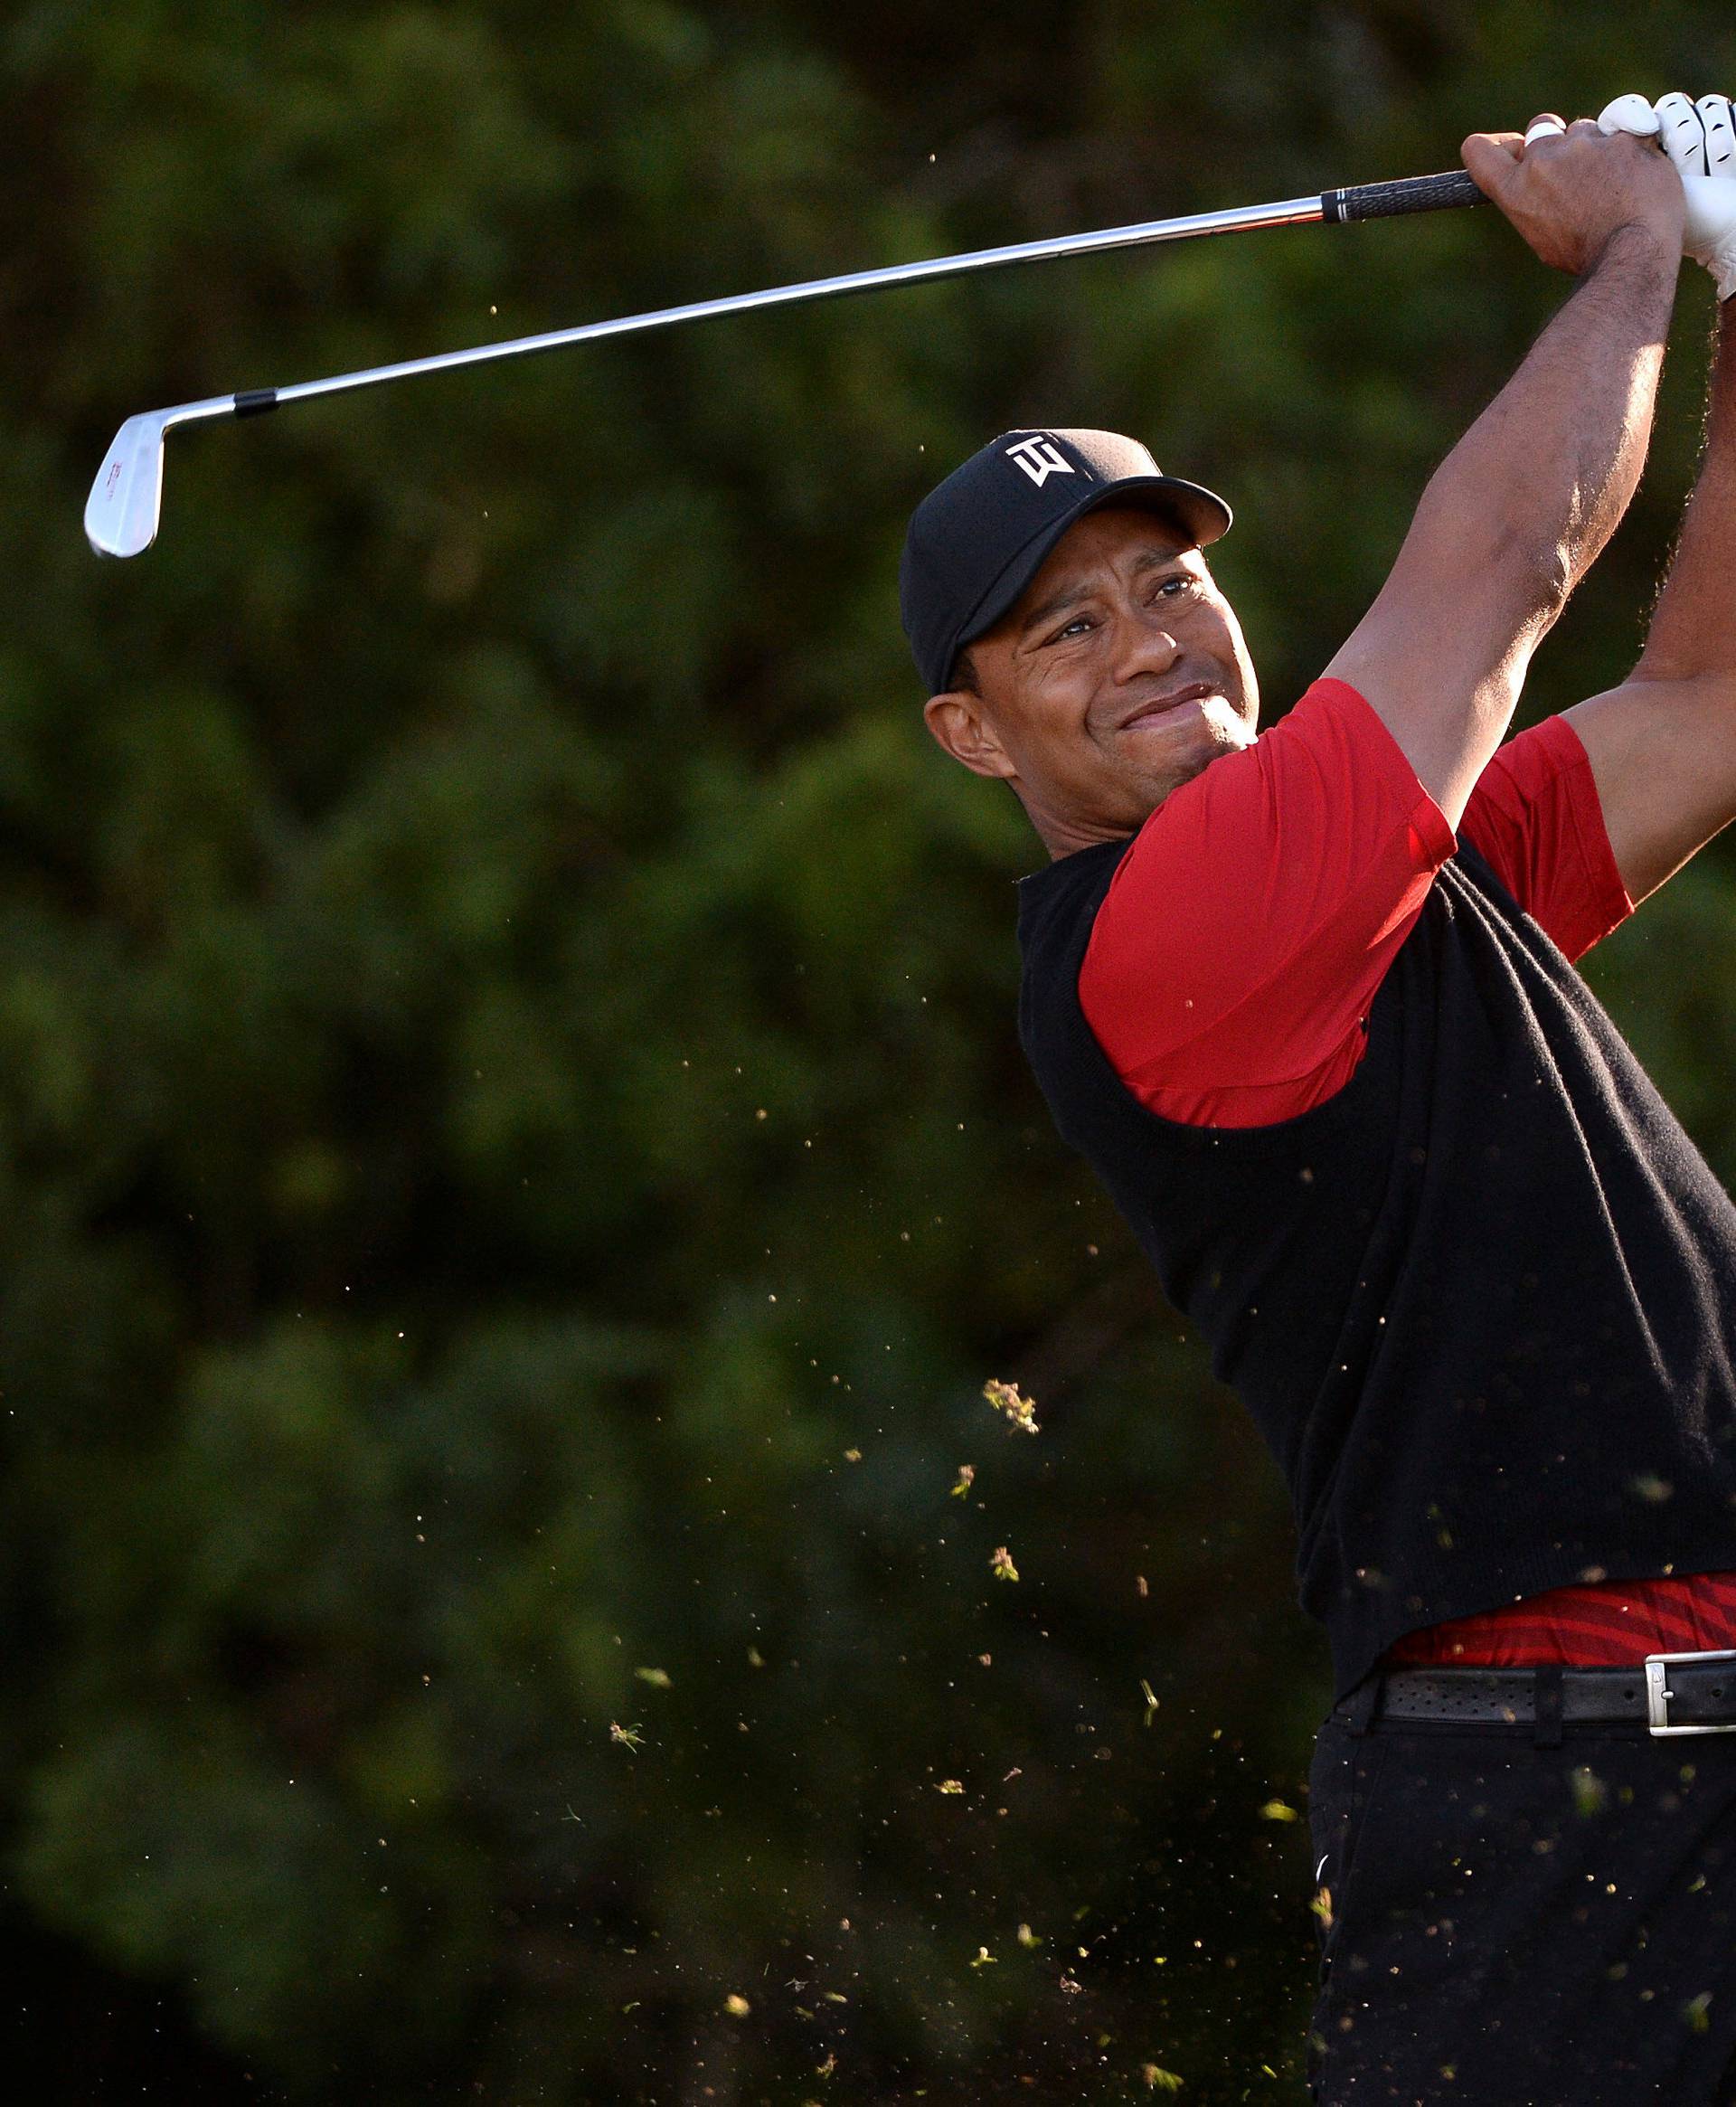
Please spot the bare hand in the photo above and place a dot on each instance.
(1568, 193)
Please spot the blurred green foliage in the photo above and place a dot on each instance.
(516, 1161)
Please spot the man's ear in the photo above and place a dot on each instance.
(957, 721)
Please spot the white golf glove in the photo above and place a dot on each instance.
(1700, 138)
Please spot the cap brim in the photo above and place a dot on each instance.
(1190, 505)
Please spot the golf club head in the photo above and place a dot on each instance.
(125, 500)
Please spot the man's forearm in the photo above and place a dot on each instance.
(1512, 519)
(1692, 631)
(1543, 478)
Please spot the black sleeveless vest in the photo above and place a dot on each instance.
(1481, 1303)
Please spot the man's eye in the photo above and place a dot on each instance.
(1077, 627)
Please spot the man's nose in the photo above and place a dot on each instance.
(1144, 643)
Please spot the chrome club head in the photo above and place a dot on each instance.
(125, 500)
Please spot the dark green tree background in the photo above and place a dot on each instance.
(515, 1162)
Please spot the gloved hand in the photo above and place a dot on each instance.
(1700, 138)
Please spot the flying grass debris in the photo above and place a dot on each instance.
(1001, 1565)
(628, 1737)
(1279, 1810)
(658, 1678)
(1021, 1412)
(1589, 1791)
(967, 1478)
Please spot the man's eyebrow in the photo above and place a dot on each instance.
(1071, 595)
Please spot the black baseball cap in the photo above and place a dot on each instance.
(978, 539)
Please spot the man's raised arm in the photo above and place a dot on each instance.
(1517, 512)
(1663, 745)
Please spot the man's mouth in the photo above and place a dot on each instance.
(1196, 691)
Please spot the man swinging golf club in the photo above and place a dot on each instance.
(1305, 1003)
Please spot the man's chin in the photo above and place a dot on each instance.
(1182, 767)
(1143, 797)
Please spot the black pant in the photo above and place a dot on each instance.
(1510, 1924)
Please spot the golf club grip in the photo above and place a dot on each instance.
(1410, 193)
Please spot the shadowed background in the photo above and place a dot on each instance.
(516, 1161)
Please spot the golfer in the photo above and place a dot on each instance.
(1305, 1002)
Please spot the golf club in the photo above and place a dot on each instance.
(126, 500)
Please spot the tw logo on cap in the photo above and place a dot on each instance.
(1039, 458)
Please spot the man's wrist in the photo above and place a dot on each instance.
(1637, 241)
(1723, 368)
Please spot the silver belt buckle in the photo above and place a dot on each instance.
(1657, 1698)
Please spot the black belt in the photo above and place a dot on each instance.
(1673, 1693)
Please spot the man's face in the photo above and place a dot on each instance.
(1120, 674)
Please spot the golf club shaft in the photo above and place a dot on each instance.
(1417, 193)
(121, 516)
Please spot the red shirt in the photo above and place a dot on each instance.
(1230, 974)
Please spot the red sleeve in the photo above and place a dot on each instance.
(1233, 963)
(1534, 814)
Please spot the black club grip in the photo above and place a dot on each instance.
(1410, 193)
